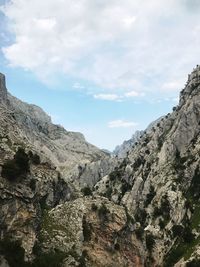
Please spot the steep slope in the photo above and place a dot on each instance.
(122, 150)
(36, 159)
(66, 150)
(159, 183)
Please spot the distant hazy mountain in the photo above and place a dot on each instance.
(122, 150)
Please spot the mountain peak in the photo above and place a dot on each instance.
(192, 83)
(3, 90)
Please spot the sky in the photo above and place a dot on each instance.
(103, 68)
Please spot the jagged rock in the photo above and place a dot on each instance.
(122, 150)
(3, 90)
(64, 149)
(94, 228)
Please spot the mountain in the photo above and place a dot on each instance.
(139, 211)
(122, 150)
(161, 182)
(41, 165)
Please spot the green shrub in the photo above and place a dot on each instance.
(195, 184)
(14, 254)
(174, 256)
(138, 162)
(94, 207)
(22, 160)
(140, 216)
(103, 212)
(163, 210)
(157, 212)
(139, 233)
(12, 169)
(150, 195)
(117, 246)
(82, 259)
(165, 207)
(33, 184)
(125, 187)
(150, 242)
(108, 192)
(193, 263)
(53, 259)
(35, 159)
(86, 191)
(116, 174)
(87, 230)
(161, 224)
(177, 230)
(188, 236)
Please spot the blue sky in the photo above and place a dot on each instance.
(104, 68)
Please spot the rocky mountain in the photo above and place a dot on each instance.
(122, 150)
(38, 162)
(161, 182)
(139, 211)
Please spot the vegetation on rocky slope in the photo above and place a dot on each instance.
(144, 210)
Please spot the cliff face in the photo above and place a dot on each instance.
(39, 162)
(65, 149)
(3, 90)
(142, 210)
(160, 180)
(122, 150)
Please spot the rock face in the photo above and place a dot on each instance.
(53, 153)
(3, 90)
(142, 210)
(159, 183)
(122, 150)
(96, 229)
(65, 149)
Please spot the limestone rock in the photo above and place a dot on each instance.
(3, 90)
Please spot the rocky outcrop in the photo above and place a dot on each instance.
(122, 150)
(93, 232)
(64, 149)
(3, 90)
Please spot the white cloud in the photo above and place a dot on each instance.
(111, 97)
(119, 98)
(121, 124)
(129, 21)
(78, 86)
(118, 45)
(47, 24)
(172, 86)
(134, 94)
